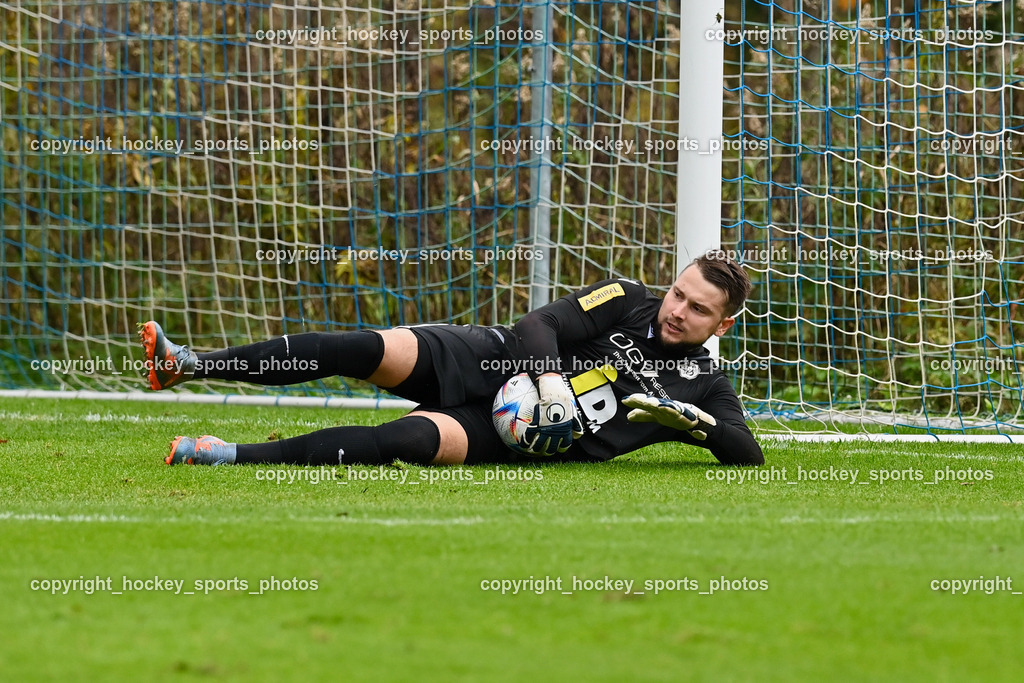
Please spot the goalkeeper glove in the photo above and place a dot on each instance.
(682, 416)
(556, 421)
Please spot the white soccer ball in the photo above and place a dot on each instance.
(513, 409)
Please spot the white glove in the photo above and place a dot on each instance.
(685, 417)
(557, 419)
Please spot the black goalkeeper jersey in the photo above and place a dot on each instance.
(603, 338)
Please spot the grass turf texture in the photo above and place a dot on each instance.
(399, 567)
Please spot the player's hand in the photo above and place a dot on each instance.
(557, 420)
(682, 416)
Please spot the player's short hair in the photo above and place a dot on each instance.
(724, 273)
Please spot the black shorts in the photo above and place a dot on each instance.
(487, 448)
(459, 370)
(458, 364)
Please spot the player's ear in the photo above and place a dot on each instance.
(724, 326)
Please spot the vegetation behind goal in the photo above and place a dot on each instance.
(242, 170)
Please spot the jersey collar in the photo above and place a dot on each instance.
(695, 352)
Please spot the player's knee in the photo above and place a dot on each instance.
(414, 439)
(453, 441)
(364, 347)
(400, 351)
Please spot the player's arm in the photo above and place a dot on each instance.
(574, 318)
(541, 332)
(557, 420)
(717, 425)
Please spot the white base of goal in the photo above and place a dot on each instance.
(223, 399)
(891, 438)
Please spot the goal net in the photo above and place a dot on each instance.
(879, 199)
(243, 170)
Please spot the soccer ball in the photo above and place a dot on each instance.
(513, 409)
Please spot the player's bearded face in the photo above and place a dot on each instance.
(692, 311)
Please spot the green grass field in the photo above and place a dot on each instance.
(844, 570)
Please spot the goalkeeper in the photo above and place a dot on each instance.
(616, 367)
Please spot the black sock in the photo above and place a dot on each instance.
(414, 439)
(296, 358)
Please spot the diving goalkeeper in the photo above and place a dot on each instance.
(616, 367)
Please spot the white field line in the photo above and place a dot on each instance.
(395, 521)
(472, 521)
(35, 517)
(866, 519)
